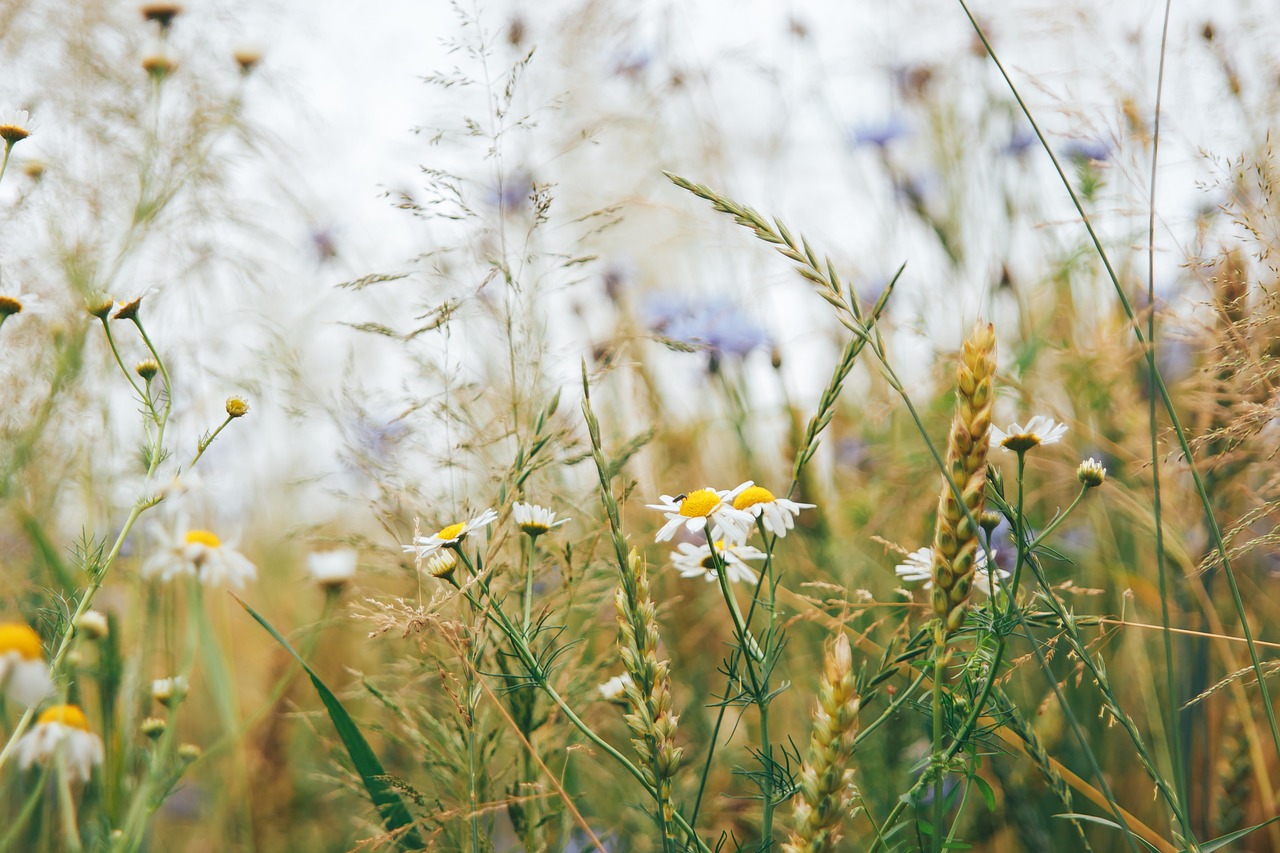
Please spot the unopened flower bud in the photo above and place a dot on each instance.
(1091, 473)
(147, 368)
(990, 520)
(189, 752)
(100, 306)
(93, 624)
(161, 13)
(153, 727)
(159, 66)
(169, 692)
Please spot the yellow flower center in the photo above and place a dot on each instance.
(753, 495)
(202, 537)
(68, 715)
(453, 531)
(699, 504)
(16, 637)
(708, 562)
(12, 133)
(1021, 442)
(9, 306)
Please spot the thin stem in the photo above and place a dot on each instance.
(939, 675)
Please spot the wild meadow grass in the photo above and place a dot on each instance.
(628, 512)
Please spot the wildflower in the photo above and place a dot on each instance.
(10, 305)
(153, 727)
(615, 689)
(100, 306)
(93, 624)
(170, 692)
(247, 58)
(62, 730)
(1087, 150)
(918, 566)
(718, 326)
(441, 564)
(237, 407)
(332, 569)
(694, 509)
(779, 514)
(450, 536)
(1039, 430)
(15, 126)
(880, 134)
(534, 520)
(1091, 473)
(189, 753)
(695, 561)
(162, 13)
(24, 676)
(159, 66)
(147, 368)
(127, 309)
(202, 554)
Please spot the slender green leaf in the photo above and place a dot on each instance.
(1104, 822)
(1219, 843)
(395, 816)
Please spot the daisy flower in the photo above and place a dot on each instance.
(534, 520)
(332, 569)
(615, 689)
(1039, 430)
(1091, 474)
(24, 676)
(15, 126)
(62, 730)
(919, 567)
(693, 561)
(201, 554)
(10, 305)
(779, 514)
(695, 509)
(170, 692)
(449, 537)
(127, 309)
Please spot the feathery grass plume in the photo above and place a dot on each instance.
(826, 780)
(650, 717)
(955, 538)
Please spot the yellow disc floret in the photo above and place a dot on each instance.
(16, 637)
(699, 504)
(453, 531)
(753, 495)
(68, 715)
(203, 537)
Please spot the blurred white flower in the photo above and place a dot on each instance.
(534, 520)
(332, 569)
(779, 514)
(615, 689)
(918, 566)
(202, 554)
(61, 730)
(1039, 430)
(170, 692)
(694, 561)
(24, 675)
(449, 536)
(695, 509)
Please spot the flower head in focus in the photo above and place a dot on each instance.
(15, 126)
(778, 514)
(1039, 430)
(24, 675)
(61, 730)
(918, 566)
(449, 536)
(695, 561)
(201, 554)
(1091, 474)
(534, 520)
(698, 508)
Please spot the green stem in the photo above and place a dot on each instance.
(939, 776)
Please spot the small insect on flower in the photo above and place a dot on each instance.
(450, 536)
(201, 554)
(61, 730)
(615, 689)
(695, 509)
(693, 561)
(534, 520)
(919, 567)
(1039, 430)
(332, 569)
(24, 675)
(779, 514)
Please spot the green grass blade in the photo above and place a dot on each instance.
(395, 816)
(1220, 843)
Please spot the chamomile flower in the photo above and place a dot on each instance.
(24, 675)
(202, 554)
(695, 509)
(1039, 430)
(332, 569)
(170, 692)
(62, 730)
(779, 514)
(694, 561)
(15, 126)
(919, 567)
(10, 305)
(450, 536)
(534, 520)
(615, 689)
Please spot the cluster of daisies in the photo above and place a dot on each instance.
(726, 518)
(437, 554)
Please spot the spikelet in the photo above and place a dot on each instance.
(650, 717)
(955, 539)
(826, 780)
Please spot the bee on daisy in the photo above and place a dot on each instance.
(693, 561)
(697, 510)
(777, 514)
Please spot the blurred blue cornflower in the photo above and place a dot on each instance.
(714, 324)
(879, 134)
(1023, 139)
(512, 194)
(1086, 150)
